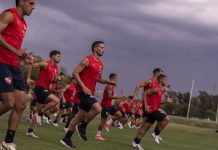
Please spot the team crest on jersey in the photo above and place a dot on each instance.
(8, 80)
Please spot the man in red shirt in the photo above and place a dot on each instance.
(67, 96)
(12, 31)
(49, 73)
(138, 114)
(107, 107)
(152, 97)
(87, 74)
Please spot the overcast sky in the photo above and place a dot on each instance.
(179, 36)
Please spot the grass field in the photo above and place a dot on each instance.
(176, 137)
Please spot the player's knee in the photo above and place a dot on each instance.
(99, 109)
(21, 106)
(9, 105)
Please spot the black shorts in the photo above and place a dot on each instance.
(155, 116)
(86, 101)
(137, 116)
(11, 79)
(41, 94)
(68, 105)
(61, 105)
(129, 114)
(75, 108)
(123, 114)
(108, 111)
(33, 103)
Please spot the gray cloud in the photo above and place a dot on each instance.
(180, 36)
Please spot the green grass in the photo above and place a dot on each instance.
(176, 137)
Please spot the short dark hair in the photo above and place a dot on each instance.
(112, 75)
(61, 73)
(96, 43)
(130, 97)
(157, 70)
(54, 52)
(17, 2)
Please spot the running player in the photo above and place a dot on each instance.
(87, 74)
(45, 100)
(76, 103)
(12, 90)
(138, 114)
(68, 94)
(108, 108)
(152, 97)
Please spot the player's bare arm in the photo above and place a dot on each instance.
(79, 68)
(138, 86)
(6, 18)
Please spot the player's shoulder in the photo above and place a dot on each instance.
(6, 16)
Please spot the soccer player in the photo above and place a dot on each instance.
(12, 90)
(87, 74)
(138, 114)
(49, 71)
(108, 108)
(152, 98)
(68, 94)
(76, 103)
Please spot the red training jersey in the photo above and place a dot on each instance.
(91, 73)
(76, 99)
(69, 94)
(47, 75)
(138, 109)
(106, 101)
(154, 100)
(126, 106)
(13, 35)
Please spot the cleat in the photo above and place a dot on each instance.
(67, 143)
(8, 146)
(81, 133)
(156, 138)
(55, 125)
(98, 137)
(31, 134)
(137, 146)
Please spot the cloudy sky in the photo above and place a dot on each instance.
(179, 36)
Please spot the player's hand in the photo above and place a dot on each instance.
(147, 108)
(30, 59)
(86, 90)
(113, 83)
(30, 82)
(20, 52)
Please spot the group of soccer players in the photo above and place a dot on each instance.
(76, 99)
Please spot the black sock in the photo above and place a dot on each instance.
(31, 116)
(137, 140)
(83, 125)
(10, 136)
(68, 122)
(69, 134)
(30, 130)
(64, 115)
(157, 131)
(40, 113)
